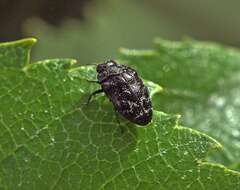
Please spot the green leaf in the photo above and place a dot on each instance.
(201, 82)
(49, 138)
(16, 54)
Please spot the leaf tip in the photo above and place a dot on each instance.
(215, 144)
(29, 42)
(26, 41)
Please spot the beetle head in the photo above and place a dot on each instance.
(104, 66)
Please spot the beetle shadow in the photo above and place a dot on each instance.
(95, 125)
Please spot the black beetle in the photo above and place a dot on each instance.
(125, 90)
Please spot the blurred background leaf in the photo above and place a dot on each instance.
(114, 24)
(92, 30)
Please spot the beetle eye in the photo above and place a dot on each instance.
(110, 63)
(101, 68)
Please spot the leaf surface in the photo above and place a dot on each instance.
(49, 138)
(201, 82)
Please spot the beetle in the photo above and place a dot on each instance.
(126, 91)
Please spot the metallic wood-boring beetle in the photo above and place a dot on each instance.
(125, 90)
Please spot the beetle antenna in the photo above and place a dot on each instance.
(95, 64)
(107, 61)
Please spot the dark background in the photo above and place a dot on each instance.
(14, 13)
(93, 30)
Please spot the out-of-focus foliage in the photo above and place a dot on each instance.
(112, 24)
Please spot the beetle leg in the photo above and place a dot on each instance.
(118, 121)
(93, 94)
(93, 81)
